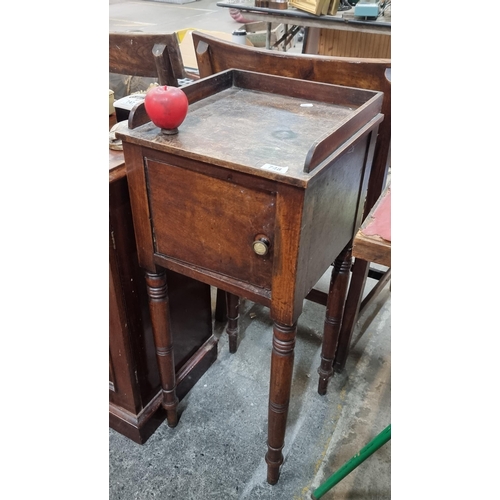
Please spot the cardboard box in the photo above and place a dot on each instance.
(257, 32)
(186, 45)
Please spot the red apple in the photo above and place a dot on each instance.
(166, 107)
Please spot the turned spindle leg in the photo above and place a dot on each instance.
(359, 274)
(333, 318)
(233, 304)
(279, 396)
(162, 333)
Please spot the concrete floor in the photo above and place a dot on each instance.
(217, 450)
(159, 16)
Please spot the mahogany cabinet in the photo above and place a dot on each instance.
(134, 381)
(257, 194)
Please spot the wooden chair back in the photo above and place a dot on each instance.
(214, 55)
(147, 55)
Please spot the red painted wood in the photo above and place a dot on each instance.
(380, 220)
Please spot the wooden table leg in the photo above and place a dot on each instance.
(162, 333)
(279, 396)
(233, 304)
(333, 318)
(359, 274)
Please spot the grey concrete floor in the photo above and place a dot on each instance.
(159, 17)
(217, 450)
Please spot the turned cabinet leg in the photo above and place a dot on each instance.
(333, 318)
(356, 286)
(233, 305)
(279, 396)
(160, 318)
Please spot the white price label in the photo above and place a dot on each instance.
(129, 101)
(274, 168)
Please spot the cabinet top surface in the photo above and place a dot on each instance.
(252, 130)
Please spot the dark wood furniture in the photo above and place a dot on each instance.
(372, 243)
(134, 380)
(154, 55)
(134, 390)
(216, 55)
(257, 194)
(373, 240)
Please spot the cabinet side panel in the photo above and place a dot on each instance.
(122, 387)
(332, 211)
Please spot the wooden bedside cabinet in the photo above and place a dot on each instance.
(257, 194)
(134, 380)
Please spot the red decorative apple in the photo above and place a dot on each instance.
(166, 107)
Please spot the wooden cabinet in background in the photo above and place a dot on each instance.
(134, 382)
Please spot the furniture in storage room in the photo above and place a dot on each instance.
(371, 244)
(134, 388)
(217, 55)
(134, 380)
(260, 190)
(340, 34)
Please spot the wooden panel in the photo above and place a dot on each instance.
(146, 55)
(216, 55)
(353, 44)
(286, 305)
(373, 241)
(186, 210)
(373, 249)
(123, 389)
(334, 202)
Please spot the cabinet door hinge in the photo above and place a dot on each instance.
(113, 239)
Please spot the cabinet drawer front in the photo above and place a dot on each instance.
(210, 222)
